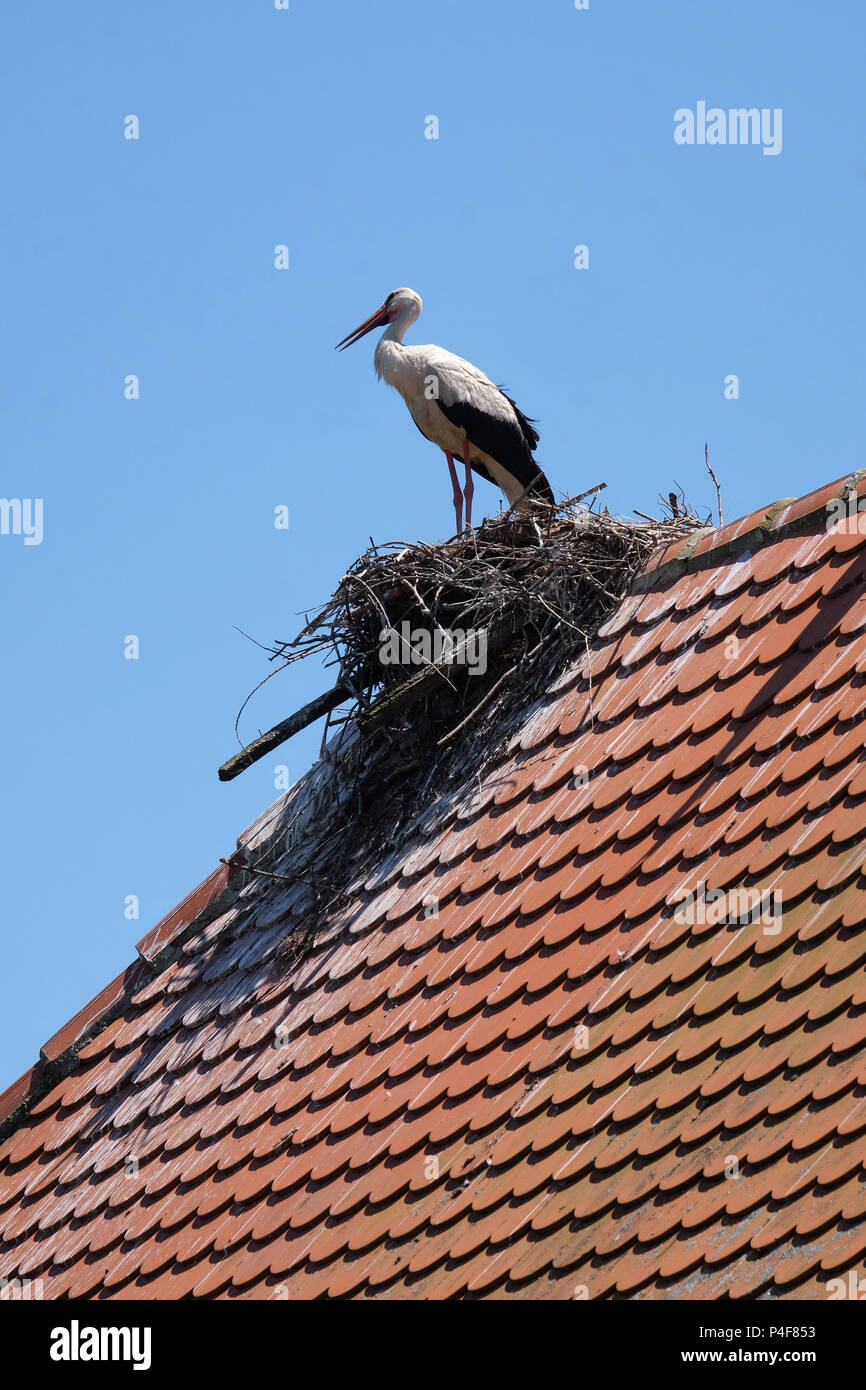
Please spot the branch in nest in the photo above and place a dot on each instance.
(260, 747)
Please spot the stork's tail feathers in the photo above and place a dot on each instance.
(539, 489)
(527, 426)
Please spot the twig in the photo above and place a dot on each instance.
(715, 480)
(590, 492)
(497, 685)
(281, 878)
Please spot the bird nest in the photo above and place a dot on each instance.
(435, 632)
(426, 715)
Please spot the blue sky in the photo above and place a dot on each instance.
(155, 257)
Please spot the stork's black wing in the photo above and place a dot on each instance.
(507, 441)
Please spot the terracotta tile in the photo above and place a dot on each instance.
(812, 502)
(166, 931)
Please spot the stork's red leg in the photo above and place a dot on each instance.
(458, 495)
(470, 486)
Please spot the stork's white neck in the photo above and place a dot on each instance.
(389, 349)
(397, 327)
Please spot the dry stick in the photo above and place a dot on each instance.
(599, 487)
(390, 628)
(481, 703)
(410, 691)
(261, 746)
(715, 480)
(276, 671)
(324, 743)
(579, 498)
(491, 692)
(675, 528)
(560, 617)
(424, 609)
(429, 665)
(375, 598)
(598, 584)
(281, 878)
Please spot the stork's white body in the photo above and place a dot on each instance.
(457, 407)
(425, 375)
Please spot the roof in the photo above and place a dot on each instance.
(512, 1059)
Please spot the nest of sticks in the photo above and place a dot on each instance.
(538, 586)
(533, 588)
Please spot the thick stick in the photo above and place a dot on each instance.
(392, 702)
(261, 746)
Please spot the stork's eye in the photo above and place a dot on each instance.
(388, 300)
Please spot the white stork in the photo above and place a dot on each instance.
(457, 407)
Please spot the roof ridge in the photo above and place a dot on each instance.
(775, 522)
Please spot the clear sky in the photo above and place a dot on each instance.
(155, 257)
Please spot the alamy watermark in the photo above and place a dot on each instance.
(851, 510)
(848, 1286)
(715, 125)
(441, 647)
(18, 1290)
(22, 516)
(734, 907)
(77, 1343)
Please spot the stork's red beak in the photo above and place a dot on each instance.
(374, 321)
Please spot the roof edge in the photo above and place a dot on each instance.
(786, 517)
(158, 949)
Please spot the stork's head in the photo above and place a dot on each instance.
(401, 308)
